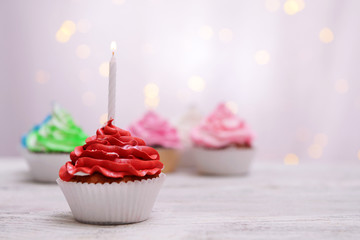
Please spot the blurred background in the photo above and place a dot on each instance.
(288, 67)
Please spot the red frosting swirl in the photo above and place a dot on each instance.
(114, 153)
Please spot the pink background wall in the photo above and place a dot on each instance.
(300, 95)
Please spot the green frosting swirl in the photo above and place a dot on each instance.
(59, 134)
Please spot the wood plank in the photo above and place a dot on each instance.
(308, 201)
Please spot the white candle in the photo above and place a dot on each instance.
(112, 83)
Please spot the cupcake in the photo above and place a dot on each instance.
(223, 144)
(159, 134)
(47, 146)
(191, 118)
(113, 179)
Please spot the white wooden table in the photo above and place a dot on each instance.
(308, 201)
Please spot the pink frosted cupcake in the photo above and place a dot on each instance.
(159, 134)
(223, 143)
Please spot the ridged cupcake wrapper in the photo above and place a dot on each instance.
(44, 167)
(230, 161)
(115, 203)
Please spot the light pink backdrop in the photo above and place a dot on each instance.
(296, 95)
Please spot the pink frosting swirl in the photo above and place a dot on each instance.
(222, 128)
(156, 131)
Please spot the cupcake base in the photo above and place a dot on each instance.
(44, 167)
(170, 159)
(229, 161)
(114, 203)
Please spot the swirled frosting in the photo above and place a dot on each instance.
(114, 153)
(222, 128)
(57, 133)
(156, 131)
(35, 128)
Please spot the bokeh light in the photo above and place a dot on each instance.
(315, 151)
(292, 7)
(103, 118)
(272, 5)
(262, 57)
(232, 106)
(291, 159)
(83, 51)
(206, 32)
(88, 98)
(104, 69)
(151, 93)
(68, 27)
(326, 35)
(83, 26)
(196, 83)
(359, 154)
(341, 86)
(151, 90)
(152, 103)
(42, 77)
(225, 35)
(66, 30)
(321, 139)
(62, 37)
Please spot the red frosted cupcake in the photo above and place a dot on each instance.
(223, 143)
(114, 178)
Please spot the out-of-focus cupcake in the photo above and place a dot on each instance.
(159, 134)
(47, 146)
(223, 143)
(113, 179)
(191, 118)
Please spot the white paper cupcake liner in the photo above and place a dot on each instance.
(229, 161)
(44, 167)
(115, 203)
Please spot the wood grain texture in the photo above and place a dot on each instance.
(308, 201)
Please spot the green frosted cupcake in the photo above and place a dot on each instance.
(48, 145)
